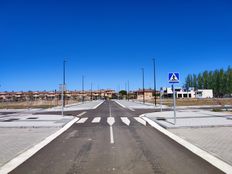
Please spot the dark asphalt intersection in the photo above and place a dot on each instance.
(87, 148)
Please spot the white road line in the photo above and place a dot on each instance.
(96, 120)
(83, 113)
(111, 121)
(125, 120)
(223, 166)
(140, 120)
(111, 135)
(82, 120)
(11, 165)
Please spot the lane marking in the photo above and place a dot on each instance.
(125, 120)
(83, 113)
(12, 164)
(110, 121)
(82, 120)
(223, 166)
(97, 105)
(96, 120)
(140, 120)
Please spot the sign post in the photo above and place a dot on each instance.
(173, 78)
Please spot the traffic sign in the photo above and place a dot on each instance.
(173, 77)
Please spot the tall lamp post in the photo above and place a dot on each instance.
(143, 85)
(154, 80)
(63, 88)
(128, 89)
(91, 91)
(83, 88)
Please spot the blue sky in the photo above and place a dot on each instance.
(110, 41)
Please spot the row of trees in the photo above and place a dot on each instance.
(219, 80)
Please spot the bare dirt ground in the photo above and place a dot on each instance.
(196, 102)
(33, 104)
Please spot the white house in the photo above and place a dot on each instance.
(204, 93)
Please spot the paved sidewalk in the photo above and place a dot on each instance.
(18, 140)
(216, 141)
(191, 118)
(210, 131)
(138, 105)
(77, 106)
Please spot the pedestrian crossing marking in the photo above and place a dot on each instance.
(96, 120)
(111, 120)
(125, 120)
(140, 120)
(82, 120)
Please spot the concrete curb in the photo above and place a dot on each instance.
(12, 164)
(120, 104)
(98, 105)
(199, 152)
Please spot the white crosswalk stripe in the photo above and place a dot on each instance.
(96, 120)
(140, 120)
(111, 120)
(125, 120)
(82, 120)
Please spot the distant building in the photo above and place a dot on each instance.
(190, 93)
(148, 94)
(204, 93)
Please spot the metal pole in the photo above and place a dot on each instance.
(174, 103)
(82, 89)
(128, 89)
(154, 80)
(64, 83)
(143, 85)
(161, 95)
(91, 91)
(62, 98)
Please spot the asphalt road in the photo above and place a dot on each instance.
(90, 148)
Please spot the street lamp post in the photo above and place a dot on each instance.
(128, 89)
(83, 89)
(63, 88)
(143, 85)
(154, 80)
(91, 91)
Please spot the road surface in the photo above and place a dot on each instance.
(112, 139)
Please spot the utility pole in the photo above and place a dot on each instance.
(83, 89)
(154, 79)
(143, 85)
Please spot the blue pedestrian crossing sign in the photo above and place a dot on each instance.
(173, 77)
